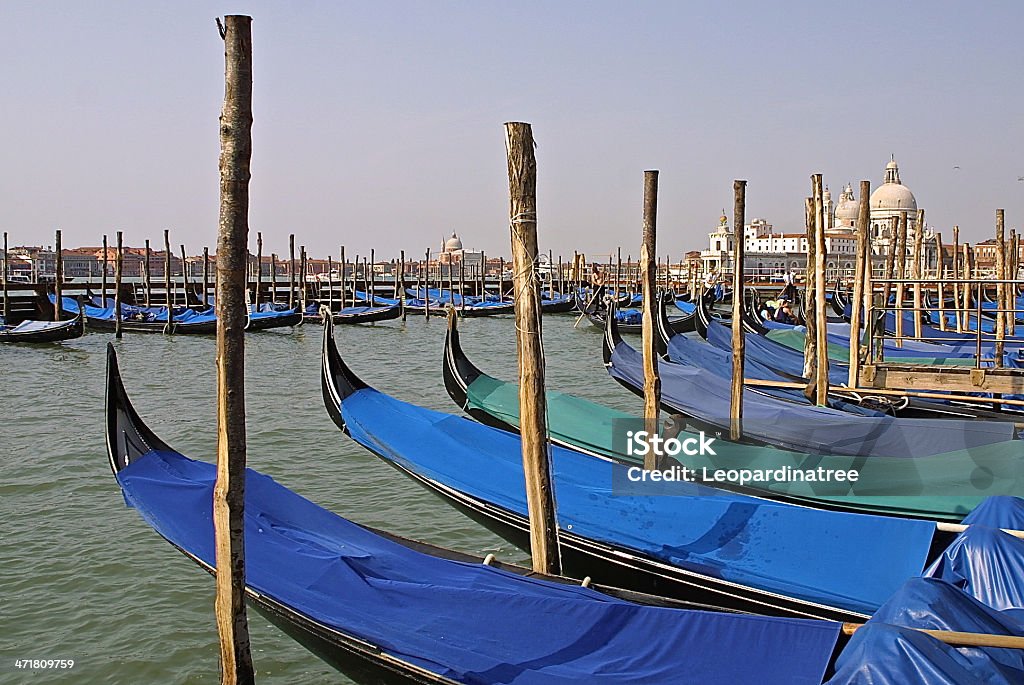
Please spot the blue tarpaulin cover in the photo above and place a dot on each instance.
(469, 622)
(700, 393)
(887, 651)
(799, 552)
(984, 561)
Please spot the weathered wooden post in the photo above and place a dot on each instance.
(956, 281)
(501, 279)
(968, 272)
(368, 280)
(118, 276)
(7, 301)
(652, 381)
(483, 276)
(862, 271)
(739, 190)
(901, 270)
(616, 292)
(149, 273)
(820, 321)
(273, 278)
(206, 277)
(462, 284)
(259, 270)
(401, 284)
(303, 277)
(291, 270)
(811, 336)
(232, 258)
(426, 286)
(330, 285)
(167, 277)
(103, 276)
(522, 181)
(1012, 275)
(58, 278)
(451, 281)
(940, 276)
(917, 273)
(1000, 288)
(890, 260)
(185, 284)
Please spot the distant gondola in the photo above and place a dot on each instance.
(43, 331)
(682, 324)
(381, 608)
(355, 315)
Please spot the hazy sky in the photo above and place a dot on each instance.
(379, 124)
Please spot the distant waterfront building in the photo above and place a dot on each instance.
(773, 254)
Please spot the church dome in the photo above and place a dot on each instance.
(893, 195)
(848, 208)
(453, 244)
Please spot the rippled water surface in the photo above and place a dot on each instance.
(84, 578)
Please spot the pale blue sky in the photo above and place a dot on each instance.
(379, 124)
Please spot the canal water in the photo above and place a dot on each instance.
(83, 578)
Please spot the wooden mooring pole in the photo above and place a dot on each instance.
(206, 277)
(522, 183)
(103, 276)
(917, 272)
(739, 190)
(861, 268)
(956, 278)
(401, 284)
(1001, 288)
(648, 276)
(426, 287)
(118, 276)
(58, 277)
(820, 320)
(232, 259)
(185, 284)
(901, 273)
(7, 271)
(259, 270)
(291, 270)
(811, 336)
(149, 273)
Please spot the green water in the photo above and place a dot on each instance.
(84, 578)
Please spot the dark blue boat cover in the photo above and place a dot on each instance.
(469, 622)
(772, 353)
(984, 561)
(702, 394)
(799, 552)
(887, 651)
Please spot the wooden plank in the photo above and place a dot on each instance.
(961, 379)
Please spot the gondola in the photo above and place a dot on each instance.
(43, 331)
(355, 315)
(633, 541)
(141, 320)
(559, 304)
(589, 428)
(630, 323)
(704, 397)
(265, 319)
(381, 608)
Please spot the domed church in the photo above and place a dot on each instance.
(887, 202)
